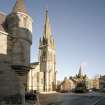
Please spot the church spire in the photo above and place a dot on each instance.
(19, 7)
(47, 26)
(80, 71)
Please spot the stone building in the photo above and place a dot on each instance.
(15, 42)
(102, 83)
(70, 84)
(66, 86)
(36, 80)
(95, 83)
(47, 61)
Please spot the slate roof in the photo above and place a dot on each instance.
(20, 7)
(35, 63)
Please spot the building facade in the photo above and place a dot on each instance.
(95, 83)
(67, 85)
(72, 83)
(15, 42)
(47, 60)
(102, 83)
(35, 81)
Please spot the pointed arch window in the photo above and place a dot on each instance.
(43, 56)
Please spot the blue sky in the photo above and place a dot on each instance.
(78, 27)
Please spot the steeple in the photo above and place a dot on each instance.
(47, 56)
(80, 71)
(19, 7)
(47, 26)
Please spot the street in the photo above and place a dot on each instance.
(72, 99)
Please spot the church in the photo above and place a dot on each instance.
(17, 75)
(42, 76)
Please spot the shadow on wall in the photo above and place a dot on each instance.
(19, 41)
(18, 55)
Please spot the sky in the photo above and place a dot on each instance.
(78, 27)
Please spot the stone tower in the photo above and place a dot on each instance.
(19, 27)
(18, 39)
(47, 56)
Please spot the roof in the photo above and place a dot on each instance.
(2, 20)
(66, 81)
(35, 63)
(20, 7)
(47, 26)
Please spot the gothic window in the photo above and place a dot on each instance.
(44, 53)
(50, 57)
(44, 56)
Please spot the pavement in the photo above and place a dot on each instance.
(92, 98)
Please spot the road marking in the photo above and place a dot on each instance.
(97, 102)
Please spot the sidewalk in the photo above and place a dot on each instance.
(51, 92)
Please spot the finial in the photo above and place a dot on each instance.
(46, 12)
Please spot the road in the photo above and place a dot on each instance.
(72, 99)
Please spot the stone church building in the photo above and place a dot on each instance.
(15, 42)
(42, 76)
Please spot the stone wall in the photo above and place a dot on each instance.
(3, 42)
